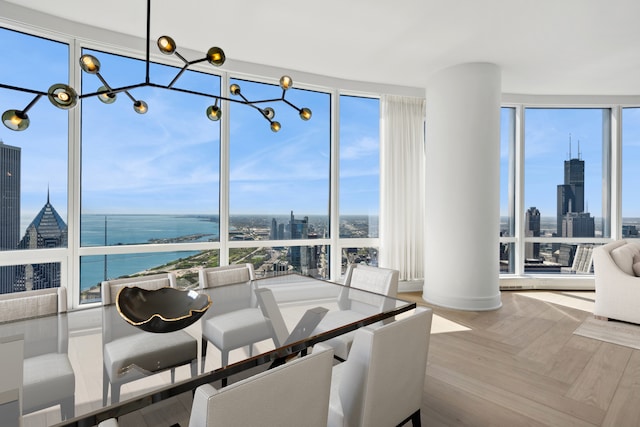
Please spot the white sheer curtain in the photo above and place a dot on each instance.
(402, 186)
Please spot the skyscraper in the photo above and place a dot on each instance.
(572, 220)
(298, 256)
(532, 229)
(47, 230)
(9, 196)
(9, 209)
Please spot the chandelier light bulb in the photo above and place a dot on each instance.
(286, 82)
(89, 64)
(234, 89)
(214, 113)
(15, 120)
(216, 56)
(269, 113)
(140, 107)
(305, 114)
(275, 126)
(166, 45)
(62, 96)
(107, 97)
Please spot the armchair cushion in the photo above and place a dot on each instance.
(617, 291)
(636, 265)
(148, 352)
(46, 376)
(624, 256)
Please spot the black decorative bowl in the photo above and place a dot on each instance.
(161, 310)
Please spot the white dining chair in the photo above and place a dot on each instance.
(353, 305)
(382, 381)
(125, 346)
(48, 377)
(293, 394)
(242, 327)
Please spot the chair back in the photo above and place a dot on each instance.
(110, 288)
(382, 281)
(226, 275)
(112, 325)
(42, 335)
(293, 394)
(384, 363)
(46, 366)
(41, 302)
(374, 279)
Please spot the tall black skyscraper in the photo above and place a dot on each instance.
(572, 220)
(9, 196)
(532, 229)
(9, 209)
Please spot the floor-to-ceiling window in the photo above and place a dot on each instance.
(558, 188)
(630, 172)
(147, 179)
(359, 176)
(279, 182)
(566, 164)
(171, 190)
(33, 164)
(507, 188)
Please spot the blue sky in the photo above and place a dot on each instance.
(168, 159)
(548, 133)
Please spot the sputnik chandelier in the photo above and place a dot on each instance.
(65, 97)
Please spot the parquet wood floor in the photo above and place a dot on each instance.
(522, 365)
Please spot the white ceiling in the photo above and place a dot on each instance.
(573, 47)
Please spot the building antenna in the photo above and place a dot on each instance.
(569, 145)
(579, 150)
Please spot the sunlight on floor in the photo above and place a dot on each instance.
(441, 325)
(584, 301)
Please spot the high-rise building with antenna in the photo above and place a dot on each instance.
(572, 220)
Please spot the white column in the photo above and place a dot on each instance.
(462, 212)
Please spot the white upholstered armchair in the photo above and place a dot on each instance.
(616, 269)
(382, 381)
(293, 394)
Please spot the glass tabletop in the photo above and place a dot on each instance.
(301, 311)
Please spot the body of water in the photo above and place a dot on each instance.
(110, 230)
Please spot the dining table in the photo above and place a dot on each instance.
(295, 304)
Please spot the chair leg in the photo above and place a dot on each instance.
(415, 419)
(194, 367)
(115, 393)
(204, 354)
(67, 408)
(105, 386)
(225, 362)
